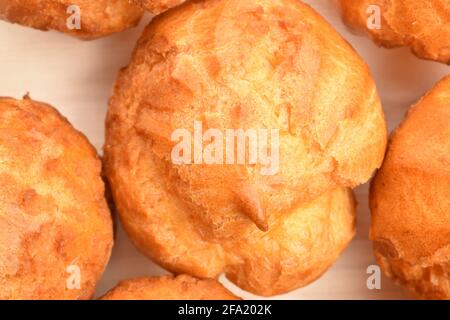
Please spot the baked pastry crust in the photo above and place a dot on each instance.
(53, 214)
(98, 17)
(410, 196)
(158, 6)
(422, 25)
(243, 64)
(182, 287)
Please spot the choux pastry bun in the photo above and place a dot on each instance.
(422, 25)
(258, 64)
(182, 287)
(86, 19)
(56, 228)
(410, 196)
(158, 6)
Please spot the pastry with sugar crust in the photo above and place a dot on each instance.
(409, 199)
(182, 287)
(158, 6)
(56, 230)
(422, 25)
(255, 64)
(98, 18)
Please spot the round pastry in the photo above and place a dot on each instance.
(182, 287)
(85, 19)
(243, 65)
(158, 6)
(422, 25)
(410, 196)
(55, 226)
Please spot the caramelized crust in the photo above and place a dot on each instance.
(422, 25)
(54, 220)
(243, 64)
(158, 6)
(182, 287)
(98, 17)
(410, 199)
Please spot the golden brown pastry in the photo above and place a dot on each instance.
(55, 226)
(243, 64)
(422, 25)
(98, 17)
(158, 6)
(410, 199)
(182, 287)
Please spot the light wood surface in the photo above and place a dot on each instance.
(77, 77)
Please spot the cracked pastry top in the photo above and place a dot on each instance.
(181, 287)
(158, 6)
(422, 25)
(243, 64)
(55, 226)
(98, 18)
(409, 199)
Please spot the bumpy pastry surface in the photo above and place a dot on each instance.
(98, 17)
(182, 287)
(410, 199)
(422, 25)
(243, 64)
(158, 6)
(53, 214)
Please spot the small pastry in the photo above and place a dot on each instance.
(55, 226)
(158, 6)
(220, 67)
(85, 19)
(169, 288)
(422, 25)
(410, 196)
